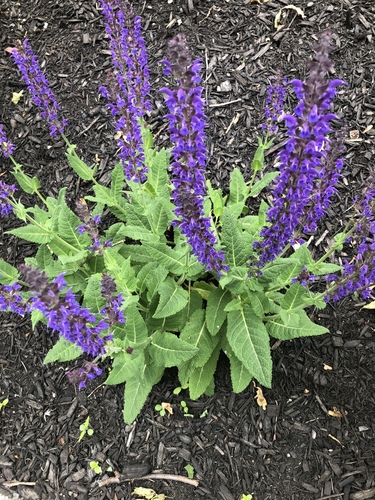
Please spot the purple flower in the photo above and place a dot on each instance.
(6, 147)
(274, 103)
(81, 375)
(64, 314)
(112, 312)
(128, 86)
(38, 86)
(186, 126)
(6, 190)
(90, 226)
(11, 299)
(305, 165)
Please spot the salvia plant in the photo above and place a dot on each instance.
(182, 271)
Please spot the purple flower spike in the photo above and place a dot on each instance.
(128, 86)
(90, 226)
(6, 147)
(64, 314)
(306, 163)
(113, 312)
(6, 190)
(186, 126)
(38, 86)
(82, 375)
(274, 103)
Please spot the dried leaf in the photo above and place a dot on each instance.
(327, 367)
(299, 11)
(167, 407)
(148, 493)
(260, 399)
(371, 305)
(335, 412)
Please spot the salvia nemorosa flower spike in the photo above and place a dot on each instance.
(63, 312)
(6, 190)
(301, 161)
(90, 226)
(6, 147)
(112, 311)
(359, 274)
(127, 88)
(186, 126)
(82, 375)
(38, 86)
(274, 105)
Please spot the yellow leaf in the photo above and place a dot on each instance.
(148, 493)
(17, 96)
(299, 11)
(261, 400)
(327, 367)
(371, 305)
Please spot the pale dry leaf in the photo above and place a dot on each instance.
(260, 399)
(335, 412)
(16, 96)
(299, 11)
(167, 407)
(327, 367)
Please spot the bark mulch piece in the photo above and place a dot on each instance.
(297, 449)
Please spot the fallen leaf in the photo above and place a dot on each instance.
(167, 407)
(327, 367)
(354, 134)
(16, 96)
(260, 399)
(371, 305)
(299, 11)
(336, 413)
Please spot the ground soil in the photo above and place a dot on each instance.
(296, 449)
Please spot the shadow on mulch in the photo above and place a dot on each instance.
(296, 449)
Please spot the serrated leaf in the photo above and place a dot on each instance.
(62, 351)
(201, 377)
(235, 243)
(204, 289)
(196, 334)
(8, 273)
(215, 311)
(168, 350)
(173, 298)
(158, 217)
(92, 297)
(135, 328)
(43, 257)
(117, 184)
(125, 367)
(249, 341)
(137, 389)
(237, 188)
(294, 297)
(138, 233)
(157, 171)
(28, 184)
(68, 223)
(305, 328)
(218, 201)
(262, 183)
(33, 233)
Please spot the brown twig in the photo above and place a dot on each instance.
(166, 477)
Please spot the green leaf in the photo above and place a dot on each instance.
(173, 298)
(249, 341)
(120, 269)
(158, 216)
(304, 328)
(62, 351)
(134, 218)
(117, 184)
(262, 183)
(204, 289)
(138, 233)
(281, 271)
(168, 350)
(237, 250)
(135, 328)
(218, 201)
(157, 171)
(43, 257)
(33, 233)
(237, 188)
(196, 334)
(79, 166)
(215, 313)
(8, 273)
(28, 184)
(125, 367)
(93, 298)
(240, 376)
(202, 377)
(138, 388)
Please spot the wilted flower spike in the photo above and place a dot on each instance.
(6, 147)
(113, 312)
(6, 191)
(304, 162)
(274, 103)
(186, 126)
(80, 376)
(38, 86)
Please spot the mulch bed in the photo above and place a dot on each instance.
(295, 450)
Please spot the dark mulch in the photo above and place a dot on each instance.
(293, 451)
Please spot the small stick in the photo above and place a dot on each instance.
(167, 477)
(11, 484)
(221, 104)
